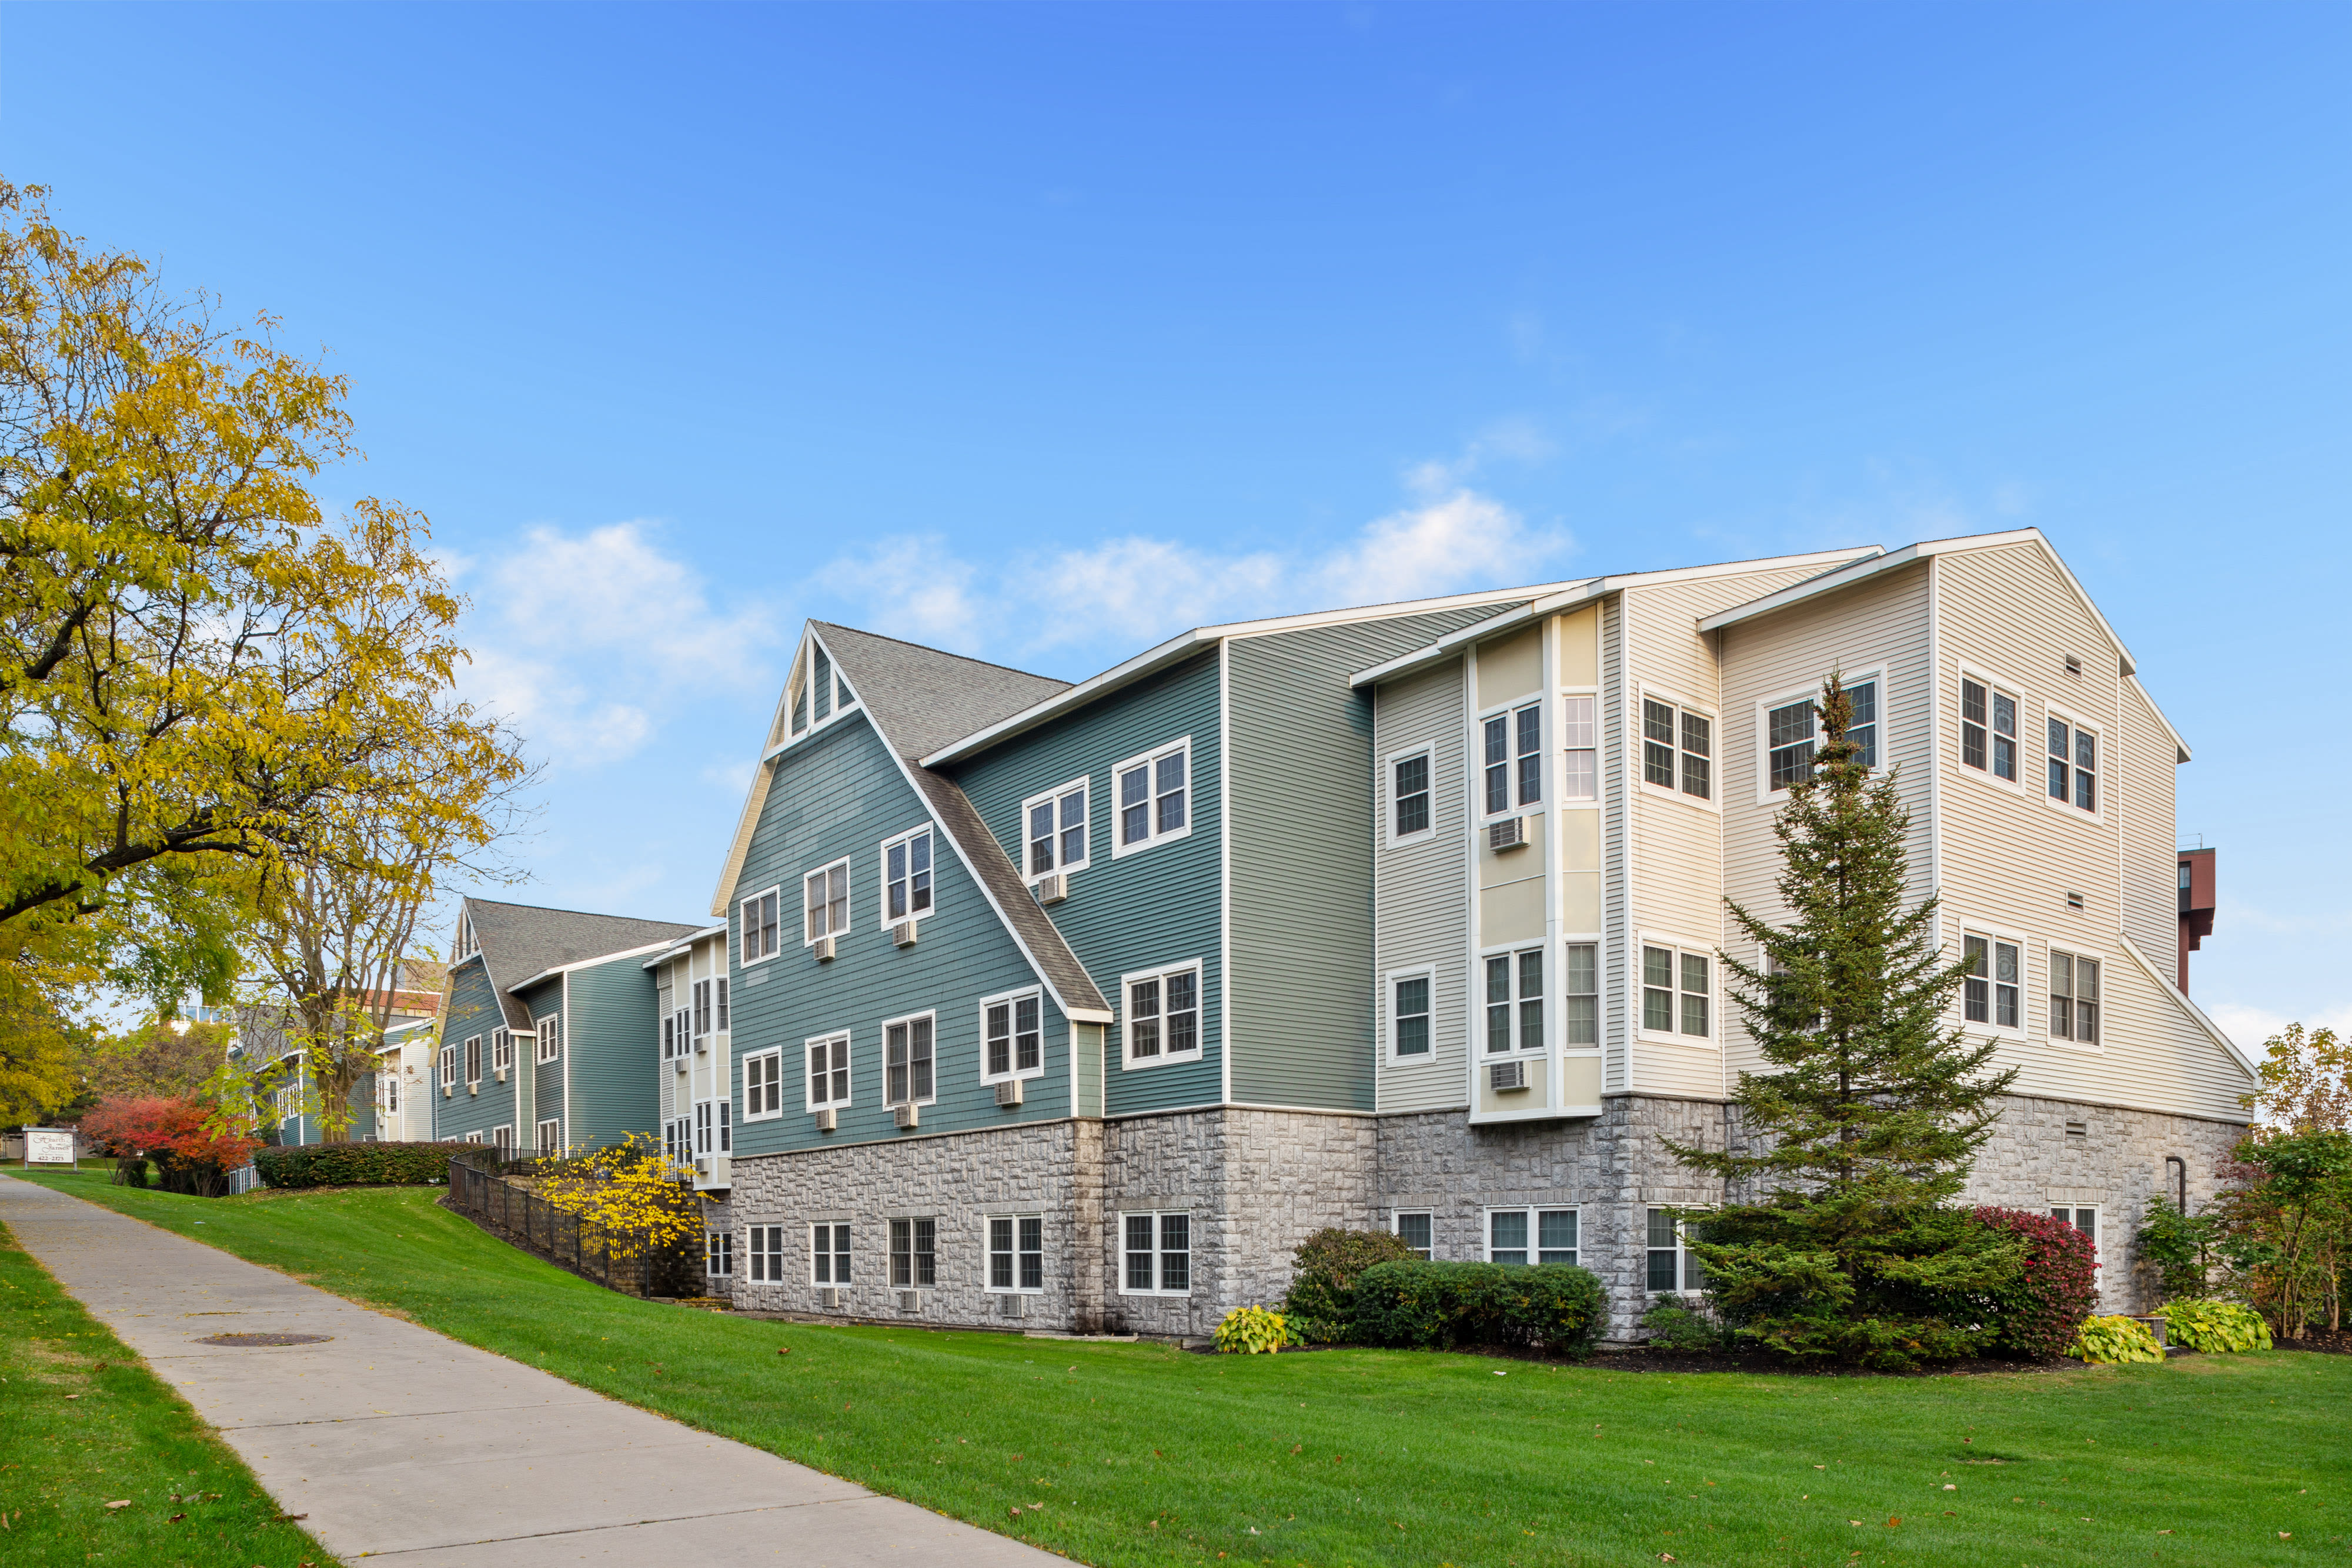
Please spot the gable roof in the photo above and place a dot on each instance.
(519, 943)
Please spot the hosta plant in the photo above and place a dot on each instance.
(2113, 1340)
(2215, 1326)
(1250, 1331)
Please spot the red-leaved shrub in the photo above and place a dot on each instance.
(2041, 1309)
(190, 1155)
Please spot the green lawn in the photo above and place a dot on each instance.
(1142, 1454)
(83, 1423)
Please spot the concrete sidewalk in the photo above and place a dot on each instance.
(398, 1442)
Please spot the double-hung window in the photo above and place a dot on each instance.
(1155, 796)
(502, 1140)
(2074, 998)
(473, 1059)
(502, 1049)
(1413, 1227)
(1678, 749)
(764, 1085)
(1511, 759)
(1673, 1268)
(550, 1036)
(1016, 1252)
(2073, 765)
(389, 1084)
(1988, 730)
(1990, 994)
(1409, 1014)
(719, 1252)
(759, 925)
(2084, 1219)
(1793, 732)
(914, 1257)
(829, 1254)
(1677, 991)
(669, 1036)
(1056, 827)
(907, 876)
(448, 1066)
(709, 1006)
(677, 1140)
(828, 1072)
(1579, 739)
(1531, 1236)
(1159, 1254)
(1580, 995)
(907, 1077)
(713, 1131)
(767, 1254)
(551, 1137)
(1163, 1015)
(1515, 992)
(827, 901)
(1409, 814)
(1011, 1043)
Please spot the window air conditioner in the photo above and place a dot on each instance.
(502, 1074)
(447, 1090)
(1504, 1076)
(903, 933)
(702, 1045)
(829, 1298)
(1009, 1091)
(910, 1301)
(1509, 835)
(824, 949)
(825, 1120)
(679, 1063)
(703, 1165)
(1053, 889)
(1012, 1306)
(904, 1116)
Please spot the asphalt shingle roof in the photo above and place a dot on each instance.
(520, 940)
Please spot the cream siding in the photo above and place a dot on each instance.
(2148, 887)
(1617, 857)
(1420, 889)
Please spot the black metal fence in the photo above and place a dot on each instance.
(479, 1189)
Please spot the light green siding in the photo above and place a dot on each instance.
(611, 1045)
(473, 1010)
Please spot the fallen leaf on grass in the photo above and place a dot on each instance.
(124, 1502)
(783, 1350)
(175, 1519)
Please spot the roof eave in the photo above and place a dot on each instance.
(1110, 680)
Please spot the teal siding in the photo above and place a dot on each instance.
(612, 1043)
(473, 1010)
(1141, 911)
(544, 1000)
(839, 794)
(1304, 805)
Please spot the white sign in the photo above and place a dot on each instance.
(49, 1146)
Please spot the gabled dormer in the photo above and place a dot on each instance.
(817, 694)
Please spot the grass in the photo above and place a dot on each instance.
(1143, 1455)
(83, 1423)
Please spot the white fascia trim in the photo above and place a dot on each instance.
(769, 750)
(665, 952)
(549, 974)
(2171, 987)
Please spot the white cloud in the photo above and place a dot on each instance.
(2251, 1026)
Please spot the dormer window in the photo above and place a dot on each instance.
(466, 944)
(819, 690)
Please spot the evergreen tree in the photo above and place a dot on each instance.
(1854, 1149)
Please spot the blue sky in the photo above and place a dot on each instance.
(1040, 332)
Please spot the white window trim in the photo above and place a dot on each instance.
(1153, 838)
(1191, 1252)
(473, 1059)
(1534, 1250)
(1599, 943)
(910, 1020)
(1985, 775)
(743, 923)
(1765, 794)
(1016, 1288)
(882, 869)
(1389, 796)
(1546, 727)
(2041, 994)
(1388, 1013)
(2103, 773)
(1636, 768)
(507, 1143)
(849, 915)
(808, 1238)
(1086, 783)
(548, 1039)
(2026, 990)
(1007, 999)
(540, 1132)
(804, 670)
(448, 1066)
(1713, 1038)
(1396, 1226)
(1682, 1253)
(845, 1036)
(718, 1246)
(1478, 1004)
(1200, 1006)
(2098, 1238)
(775, 1054)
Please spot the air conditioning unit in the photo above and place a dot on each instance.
(1053, 889)
(823, 947)
(703, 1165)
(903, 933)
(1509, 835)
(1503, 1077)
(502, 1074)
(679, 1064)
(1009, 1091)
(447, 1090)
(1012, 1306)
(904, 1116)
(910, 1301)
(825, 1120)
(702, 1045)
(829, 1298)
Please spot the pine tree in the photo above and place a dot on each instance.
(1852, 1150)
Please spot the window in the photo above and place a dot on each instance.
(1580, 997)
(468, 944)
(828, 1066)
(1672, 1266)
(473, 1059)
(473, 1138)
(1554, 1232)
(677, 1140)
(1414, 1229)
(907, 877)
(2073, 765)
(1677, 746)
(1409, 1014)
(1515, 992)
(1791, 733)
(719, 1253)
(1163, 1016)
(391, 1085)
(1990, 994)
(551, 1137)
(701, 995)
(767, 1254)
(828, 901)
(1512, 759)
(2074, 998)
(913, 1259)
(1988, 730)
(1154, 797)
(764, 1085)
(818, 690)
(682, 1023)
(1579, 778)
(2086, 1220)
(829, 1254)
(669, 1036)
(1012, 1045)
(1677, 991)
(1057, 829)
(712, 1134)
(907, 1062)
(758, 917)
(550, 1029)
(1158, 1250)
(448, 1067)
(502, 1140)
(1409, 798)
(502, 1049)
(1016, 1252)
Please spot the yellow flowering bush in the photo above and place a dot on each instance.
(639, 1200)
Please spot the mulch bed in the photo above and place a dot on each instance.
(2332, 1342)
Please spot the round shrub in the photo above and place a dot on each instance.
(1323, 1285)
(355, 1164)
(1436, 1306)
(2039, 1311)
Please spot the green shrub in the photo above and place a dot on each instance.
(355, 1164)
(2114, 1341)
(2038, 1310)
(1321, 1300)
(2180, 1249)
(1251, 1331)
(1672, 1325)
(1435, 1306)
(2215, 1326)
